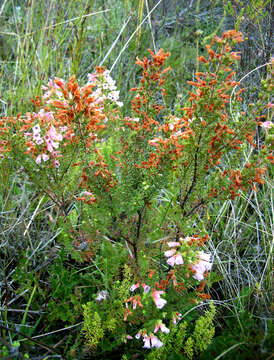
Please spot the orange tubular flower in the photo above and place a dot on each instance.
(210, 51)
(202, 59)
(159, 58)
(235, 55)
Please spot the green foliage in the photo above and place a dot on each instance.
(66, 295)
(188, 348)
(204, 330)
(241, 338)
(92, 326)
(103, 320)
(12, 351)
(187, 338)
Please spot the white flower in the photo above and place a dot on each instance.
(155, 342)
(102, 295)
(173, 244)
(169, 253)
(202, 266)
(159, 302)
(146, 340)
(36, 129)
(134, 287)
(43, 157)
(160, 325)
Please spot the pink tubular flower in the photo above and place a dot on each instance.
(173, 244)
(92, 78)
(38, 159)
(56, 154)
(51, 144)
(36, 136)
(87, 193)
(160, 325)
(174, 258)
(159, 302)
(56, 163)
(267, 125)
(134, 287)
(43, 157)
(202, 266)
(52, 133)
(46, 116)
(146, 288)
(39, 141)
(146, 340)
(155, 342)
(149, 340)
(177, 317)
(169, 253)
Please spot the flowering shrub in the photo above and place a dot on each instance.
(78, 147)
(191, 268)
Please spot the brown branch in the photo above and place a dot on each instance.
(183, 202)
(195, 207)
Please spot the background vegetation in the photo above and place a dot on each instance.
(42, 288)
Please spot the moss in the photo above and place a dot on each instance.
(92, 328)
(204, 330)
(107, 318)
(188, 348)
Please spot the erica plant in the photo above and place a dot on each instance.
(79, 149)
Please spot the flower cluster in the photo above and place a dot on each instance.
(202, 266)
(198, 266)
(205, 128)
(174, 256)
(4, 132)
(150, 341)
(160, 325)
(159, 302)
(44, 142)
(105, 86)
(144, 103)
(185, 253)
(136, 286)
(68, 123)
